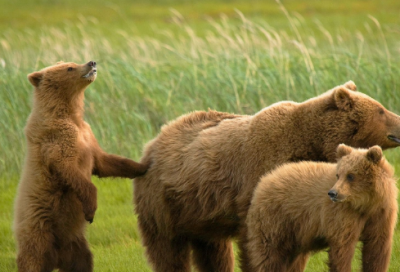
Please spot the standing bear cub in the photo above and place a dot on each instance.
(291, 214)
(206, 165)
(55, 195)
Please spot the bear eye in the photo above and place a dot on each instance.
(381, 111)
(350, 177)
(69, 69)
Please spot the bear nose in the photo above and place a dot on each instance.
(92, 63)
(332, 193)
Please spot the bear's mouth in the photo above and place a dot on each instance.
(394, 139)
(92, 73)
(336, 199)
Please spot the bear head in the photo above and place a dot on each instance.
(64, 77)
(362, 176)
(370, 123)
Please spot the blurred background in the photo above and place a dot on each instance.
(158, 59)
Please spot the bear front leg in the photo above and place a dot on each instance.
(211, 256)
(340, 256)
(243, 252)
(377, 242)
(299, 263)
(85, 190)
(108, 165)
(65, 171)
(89, 201)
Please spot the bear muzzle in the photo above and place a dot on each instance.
(394, 139)
(335, 196)
(91, 75)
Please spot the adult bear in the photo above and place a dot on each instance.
(205, 166)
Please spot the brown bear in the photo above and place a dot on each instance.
(55, 195)
(205, 166)
(291, 215)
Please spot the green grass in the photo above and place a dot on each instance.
(113, 237)
(157, 61)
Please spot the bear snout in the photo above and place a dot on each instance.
(333, 195)
(92, 64)
(90, 71)
(394, 139)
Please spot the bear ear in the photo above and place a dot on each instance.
(60, 62)
(343, 99)
(343, 150)
(351, 86)
(35, 78)
(375, 154)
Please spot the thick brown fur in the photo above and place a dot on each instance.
(205, 166)
(55, 195)
(291, 214)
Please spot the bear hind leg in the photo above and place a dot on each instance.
(37, 254)
(165, 254)
(168, 255)
(209, 256)
(76, 257)
(33, 262)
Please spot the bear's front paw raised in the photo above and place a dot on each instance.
(90, 203)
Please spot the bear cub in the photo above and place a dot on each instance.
(55, 194)
(305, 207)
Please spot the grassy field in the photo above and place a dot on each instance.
(157, 61)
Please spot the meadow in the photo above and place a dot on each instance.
(160, 59)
